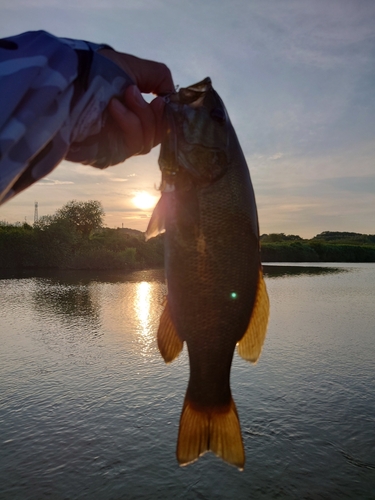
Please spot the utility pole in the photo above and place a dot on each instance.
(36, 216)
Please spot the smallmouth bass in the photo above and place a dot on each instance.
(217, 297)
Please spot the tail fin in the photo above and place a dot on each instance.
(217, 430)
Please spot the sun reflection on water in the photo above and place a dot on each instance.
(145, 311)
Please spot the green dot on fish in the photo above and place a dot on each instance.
(233, 295)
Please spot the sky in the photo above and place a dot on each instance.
(297, 78)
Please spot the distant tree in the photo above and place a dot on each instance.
(278, 237)
(84, 216)
(44, 222)
(344, 237)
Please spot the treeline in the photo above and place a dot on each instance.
(328, 246)
(75, 238)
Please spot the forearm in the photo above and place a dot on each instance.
(53, 98)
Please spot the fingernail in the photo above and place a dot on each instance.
(138, 97)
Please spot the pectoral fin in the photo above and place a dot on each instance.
(169, 342)
(157, 222)
(250, 346)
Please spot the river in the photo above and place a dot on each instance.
(89, 410)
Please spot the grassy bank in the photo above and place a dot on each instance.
(74, 238)
(316, 252)
(60, 246)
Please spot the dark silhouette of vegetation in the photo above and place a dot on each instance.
(345, 237)
(74, 238)
(84, 216)
(325, 247)
(279, 237)
(283, 270)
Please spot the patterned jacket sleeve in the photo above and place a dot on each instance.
(53, 98)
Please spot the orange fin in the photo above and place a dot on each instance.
(169, 343)
(203, 430)
(250, 346)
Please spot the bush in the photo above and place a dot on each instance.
(102, 258)
(288, 252)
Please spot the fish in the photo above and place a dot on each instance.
(217, 297)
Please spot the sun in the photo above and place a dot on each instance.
(144, 200)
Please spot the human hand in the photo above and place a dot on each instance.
(140, 121)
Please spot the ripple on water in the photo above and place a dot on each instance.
(88, 408)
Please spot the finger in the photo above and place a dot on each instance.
(157, 106)
(130, 124)
(134, 101)
(149, 76)
(152, 76)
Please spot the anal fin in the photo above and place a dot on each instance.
(250, 346)
(205, 429)
(169, 343)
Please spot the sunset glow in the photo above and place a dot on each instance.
(144, 200)
(312, 106)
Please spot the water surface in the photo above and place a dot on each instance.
(88, 408)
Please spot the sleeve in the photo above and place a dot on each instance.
(53, 98)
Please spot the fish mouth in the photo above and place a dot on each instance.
(193, 94)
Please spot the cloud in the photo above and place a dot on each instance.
(355, 185)
(87, 4)
(297, 77)
(276, 156)
(319, 34)
(50, 182)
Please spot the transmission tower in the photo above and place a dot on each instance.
(36, 216)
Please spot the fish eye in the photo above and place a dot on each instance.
(218, 114)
